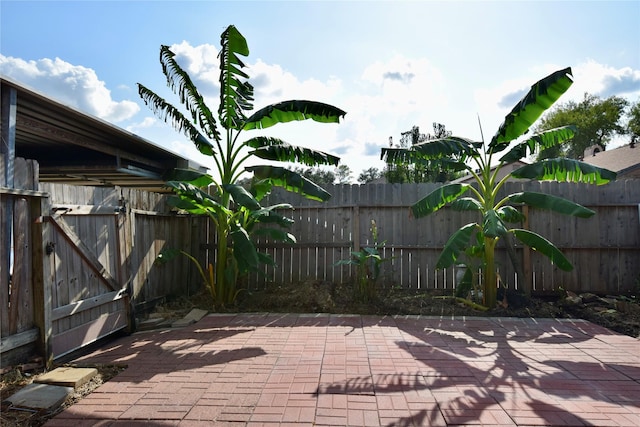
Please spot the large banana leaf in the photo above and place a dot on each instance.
(400, 156)
(466, 204)
(244, 250)
(447, 147)
(545, 247)
(163, 110)
(456, 244)
(294, 110)
(284, 152)
(241, 196)
(510, 214)
(276, 234)
(565, 170)
(492, 225)
(181, 84)
(188, 196)
(438, 198)
(270, 215)
(542, 95)
(554, 203)
(236, 95)
(291, 181)
(543, 140)
(437, 149)
(205, 207)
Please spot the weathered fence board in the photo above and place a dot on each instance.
(19, 206)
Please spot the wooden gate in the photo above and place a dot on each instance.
(88, 302)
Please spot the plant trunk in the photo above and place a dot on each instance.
(490, 288)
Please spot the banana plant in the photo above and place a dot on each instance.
(235, 211)
(481, 161)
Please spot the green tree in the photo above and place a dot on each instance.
(424, 170)
(368, 175)
(495, 214)
(597, 120)
(343, 174)
(220, 139)
(633, 126)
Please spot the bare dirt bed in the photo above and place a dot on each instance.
(620, 313)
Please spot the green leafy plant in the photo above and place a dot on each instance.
(478, 159)
(368, 261)
(206, 271)
(236, 212)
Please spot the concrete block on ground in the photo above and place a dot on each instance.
(39, 396)
(192, 317)
(67, 376)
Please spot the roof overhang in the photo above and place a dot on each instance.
(76, 148)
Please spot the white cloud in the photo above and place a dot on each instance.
(201, 63)
(70, 84)
(147, 122)
(605, 81)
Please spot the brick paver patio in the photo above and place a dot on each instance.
(331, 370)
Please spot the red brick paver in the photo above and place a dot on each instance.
(330, 370)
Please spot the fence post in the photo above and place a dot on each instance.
(43, 278)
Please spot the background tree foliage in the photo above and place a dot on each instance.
(423, 171)
(369, 175)
(633, 126)
(597, 120)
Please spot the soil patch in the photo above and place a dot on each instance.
(620, 313)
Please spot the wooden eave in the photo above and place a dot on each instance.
(76, 148)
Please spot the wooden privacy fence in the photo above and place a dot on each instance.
(82, 262)
(604, 249)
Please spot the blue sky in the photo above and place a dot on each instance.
(390, 65)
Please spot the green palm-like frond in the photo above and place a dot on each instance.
(455, 245)
(540, 97)
(550, 202)
(542, 140)
(565, 170)
(244, 251)
(283, 152)
(270, 215)
(447, 147)
(466, 204)
(236, 95)
(181, 84)
(492, 224)
(241, 196)
(291, 181)
(438, 198)
(295, 110)
(165, 111)
(510, 214)
(437, 149)
(545, 247)
(276, 234)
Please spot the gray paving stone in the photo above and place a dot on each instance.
(40, 396)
